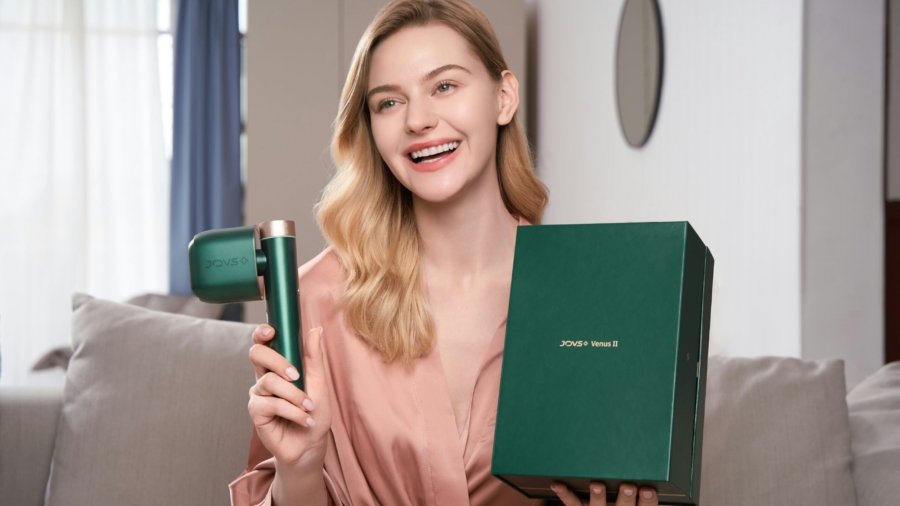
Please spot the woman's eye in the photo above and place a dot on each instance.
(386, 104)
(444, 86)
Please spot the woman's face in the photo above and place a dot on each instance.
(435, 111)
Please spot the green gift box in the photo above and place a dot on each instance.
(604, 366)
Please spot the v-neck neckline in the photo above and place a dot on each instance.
(447, 448)
(463, 432)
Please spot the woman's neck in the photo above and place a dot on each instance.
(467, 241)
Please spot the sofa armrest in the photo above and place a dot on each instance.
(28, 418)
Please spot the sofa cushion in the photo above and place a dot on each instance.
(776, 432)
(874, 408)
(154, 408)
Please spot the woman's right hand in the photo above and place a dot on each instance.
(291, 424)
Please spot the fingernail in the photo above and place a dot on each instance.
(268, 331)
(292, 373)
(308, 404)
(647, 494)
(310, 422)
(628, 491)
(554, 487)
(597, 489)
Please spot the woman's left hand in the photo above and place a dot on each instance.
(629, 495)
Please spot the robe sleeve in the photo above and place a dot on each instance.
(253, 487)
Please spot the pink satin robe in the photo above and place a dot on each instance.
(394, 439)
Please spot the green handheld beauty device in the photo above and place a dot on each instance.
(226, 265)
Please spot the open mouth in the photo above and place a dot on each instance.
(433, 153)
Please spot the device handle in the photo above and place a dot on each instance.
(278, 245)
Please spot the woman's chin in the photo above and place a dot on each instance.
(437, 196)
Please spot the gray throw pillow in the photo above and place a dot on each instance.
(170, 303)
(776, 432)
(181, 304)
(875, 426)
(154, 408)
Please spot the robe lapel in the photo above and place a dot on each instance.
(448, 450)
(483, 410)
(445, 451)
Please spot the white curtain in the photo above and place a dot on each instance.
(83, 173)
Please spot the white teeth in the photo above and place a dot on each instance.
(433, 150)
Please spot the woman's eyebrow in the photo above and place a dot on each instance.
(431, 75)
(383, 87)
(444, 68)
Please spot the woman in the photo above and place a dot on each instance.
(408, 305)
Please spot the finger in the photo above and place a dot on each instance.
(272, 385)
(313, 362)
(565, 495)
(627, 495)
(313, 342)
(598, 494)
(263, 333)
(647, 497)
(265, 359)
(263, 410)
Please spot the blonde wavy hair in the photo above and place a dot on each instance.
(367, 215)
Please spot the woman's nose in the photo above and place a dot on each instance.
(419, 117)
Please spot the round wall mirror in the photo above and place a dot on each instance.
(639, 69)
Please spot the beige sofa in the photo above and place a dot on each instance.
(153, 411)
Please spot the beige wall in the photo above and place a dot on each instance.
(843, 171)
(297, 55)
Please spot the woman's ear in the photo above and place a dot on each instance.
(508, 96)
